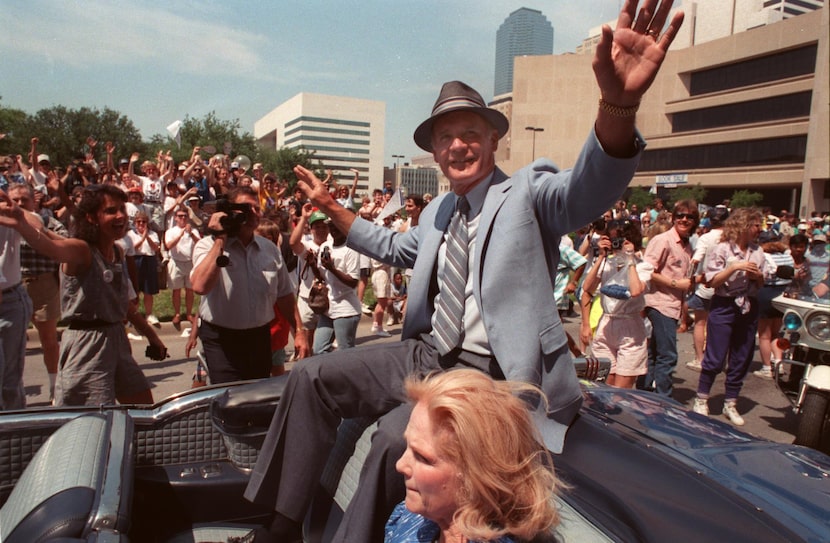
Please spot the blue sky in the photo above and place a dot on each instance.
(157, 61)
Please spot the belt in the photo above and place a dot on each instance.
(78, 324)
(9, 289)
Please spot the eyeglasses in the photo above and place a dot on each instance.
(140, 222)
(687, 216)
(181, 216)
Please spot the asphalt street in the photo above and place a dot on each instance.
(767, 413)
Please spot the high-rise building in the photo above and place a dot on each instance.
(342, 132)
(525, 32)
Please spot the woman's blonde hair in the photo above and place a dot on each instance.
(738, 223)
(484, 429)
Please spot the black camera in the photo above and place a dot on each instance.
(326, 256)
(617, 243)
(235, 216)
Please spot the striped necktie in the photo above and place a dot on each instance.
(449, 309)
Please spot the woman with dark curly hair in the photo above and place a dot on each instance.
(96, 365)
(474, 467)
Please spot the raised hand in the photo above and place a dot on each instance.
(627, 59)
(314, 189)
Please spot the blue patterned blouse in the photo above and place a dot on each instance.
(404, 526)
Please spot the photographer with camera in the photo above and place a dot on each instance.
(340, 267)
(307, 251)
(240, 277)
(621, 278)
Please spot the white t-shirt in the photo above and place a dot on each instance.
(183, 250)
(144, 249)
(343, 301)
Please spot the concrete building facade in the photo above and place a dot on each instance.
(342, 132)
(746, 111)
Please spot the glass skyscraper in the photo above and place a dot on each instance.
(525, 32)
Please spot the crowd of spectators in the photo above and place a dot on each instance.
(169, 207)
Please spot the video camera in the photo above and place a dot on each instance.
(235, 216)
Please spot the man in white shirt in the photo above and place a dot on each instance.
(241, 278)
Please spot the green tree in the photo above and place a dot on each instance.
(745, 198)
(695, 192)
(63, 133)
(640, 197)
(207, 131)
(12, 128)
(282, 161)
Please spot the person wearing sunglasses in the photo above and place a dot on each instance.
(670, 253)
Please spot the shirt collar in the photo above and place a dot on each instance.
(477, 194)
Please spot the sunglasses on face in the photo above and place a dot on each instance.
(687, 216)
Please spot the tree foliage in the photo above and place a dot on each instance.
(63, 132)
(209, 131)
(282, 161)
(745, 198)
(694, 192)
(640, 197)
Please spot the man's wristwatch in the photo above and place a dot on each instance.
(674, 283)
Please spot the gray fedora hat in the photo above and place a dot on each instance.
(458, 96)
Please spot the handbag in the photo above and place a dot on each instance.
(318, 293)
(318, 297)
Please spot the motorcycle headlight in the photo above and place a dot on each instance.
(792, 322)
(818, 326)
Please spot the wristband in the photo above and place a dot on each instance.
(618, 111)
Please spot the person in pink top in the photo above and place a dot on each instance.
(671, 254)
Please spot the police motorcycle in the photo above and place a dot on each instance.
(803, 373)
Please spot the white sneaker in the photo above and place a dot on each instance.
(185, 332)
(366, 309)
(701, 406)
(374, 328)
(382, 333)
(730, 412)
(390, 321)
(153, 320)
(693, 365)
(764, 373)
(134, 337)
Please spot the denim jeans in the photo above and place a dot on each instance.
(662, 352)
(15, 313)
(344, 329)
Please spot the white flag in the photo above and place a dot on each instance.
(394, 204)
(175, 131)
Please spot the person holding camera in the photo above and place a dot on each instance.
(621, 278)
(340, 268)
(307, 251)
(240, 276)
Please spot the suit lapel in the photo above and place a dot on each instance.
(496, 195)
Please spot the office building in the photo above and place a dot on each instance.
(748, 111)
(342, 132)
(525, 32)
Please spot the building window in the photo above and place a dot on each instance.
(776, 108)
(792, 63)
(739, 154)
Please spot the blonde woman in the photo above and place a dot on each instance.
(473, 467)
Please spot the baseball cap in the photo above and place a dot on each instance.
(317, 216)
(43, 158)
(820, 238)
(234, 165)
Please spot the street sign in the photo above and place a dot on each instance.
(673, 179)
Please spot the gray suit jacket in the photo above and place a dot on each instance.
(516, 257)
